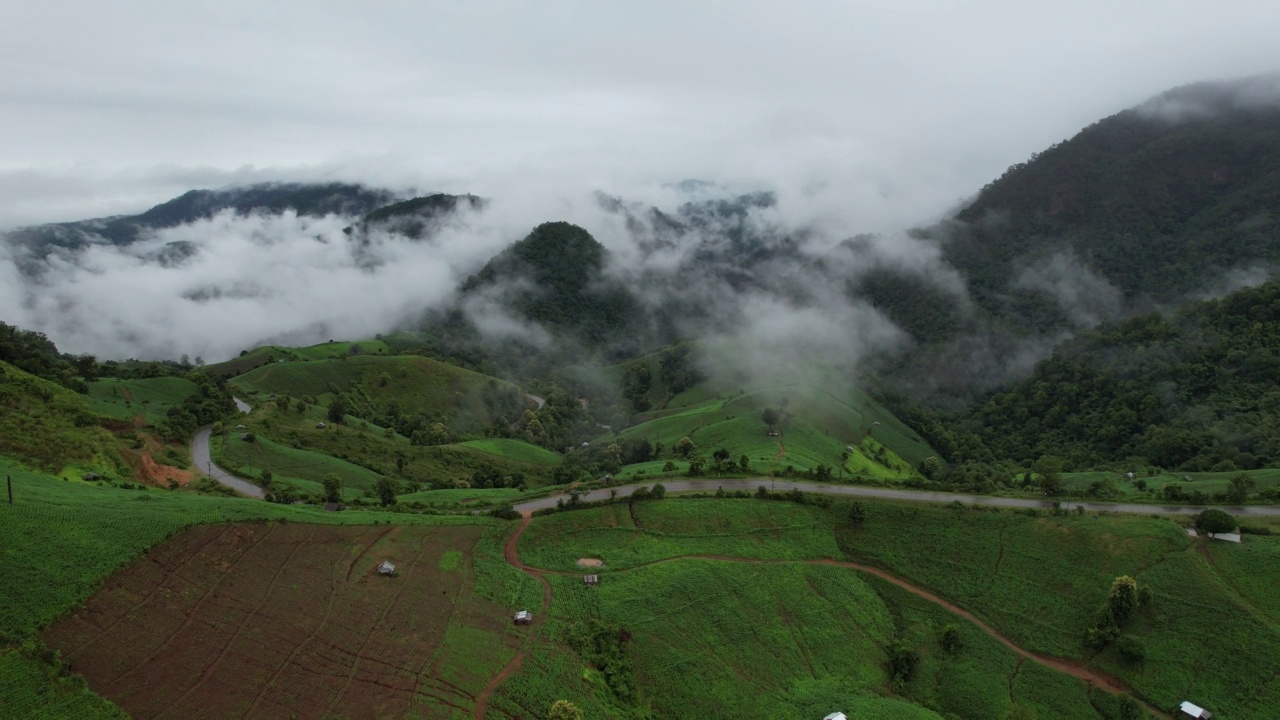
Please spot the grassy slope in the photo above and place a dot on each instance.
(151, 398)
(1209, 483)
(52, 428)
(269, 354)
(824, 421)
(512, 449)
(783, 641)
(60, 540)
(303, 468)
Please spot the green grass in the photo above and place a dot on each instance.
(464, 496)
(1252, 570)
(1209, 483)
(151, 398)
(511, 449)
(52, 428)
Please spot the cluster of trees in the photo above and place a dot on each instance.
(604, 646)
(1123, 603)
(209, 404)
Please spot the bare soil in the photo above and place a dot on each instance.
(590, 562)
(271, 620)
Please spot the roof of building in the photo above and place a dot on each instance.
(1194, 710)
(386, 566)
(591, 579)
(523, 615)
(835, 716)
(1229, 537)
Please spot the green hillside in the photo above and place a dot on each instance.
(820, 425)
(150, 397)
(52, 428)
(1194, 391)
(407, 392)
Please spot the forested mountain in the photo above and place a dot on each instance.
(1193, 391)
(417, 217)
(554, 277)
(1152, 204)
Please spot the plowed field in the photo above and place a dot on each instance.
(279, 620)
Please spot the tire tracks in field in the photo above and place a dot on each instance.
(1074, 668)
(167, 573)
(208, 670)
(382, 617)
(193, 612)
(513, 559)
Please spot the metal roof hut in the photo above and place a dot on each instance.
(524, 617)
(590, 579)
(387, 568)
(835, 716)
(1191, 710)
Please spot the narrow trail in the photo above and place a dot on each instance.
(781, 450)
(1074, 668)
(513, 559)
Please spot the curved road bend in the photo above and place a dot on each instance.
(891, 494)
(204, 463)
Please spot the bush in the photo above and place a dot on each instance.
(1215, 521)
(1132, 648)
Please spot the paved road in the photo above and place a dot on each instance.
(889, 494)
(203, 462)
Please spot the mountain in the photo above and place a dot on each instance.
(417, 217)
(304, 199)
(555, 277)
(1151, 205)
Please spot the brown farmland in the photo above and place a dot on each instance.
(269, 620)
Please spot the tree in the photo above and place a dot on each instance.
(332, 488)
(931, 468)
(1123, 599)
(659, 491)
(950, 639)
(564, 710)
(438, 434)
(857, 513)
(337, 410)
(668, 466)
(1049, 468)
(684, 447)
(1132, 648)
(770, 416)
(744, 463)
(386, 491)
(1215, 521)
(1240, 487)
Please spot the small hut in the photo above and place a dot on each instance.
(524, 617)
(835, 716)
(92, 477)
(320, 426)
(1191, 710)
(387, 568)
(590, 579)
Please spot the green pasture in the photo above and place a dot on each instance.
(511, 449)
(1209, 483)
(288, 464)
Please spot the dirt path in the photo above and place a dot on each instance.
(1073, 668)
(781, 450)
(513, 558)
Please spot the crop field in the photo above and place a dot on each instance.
(151, 398)
(1252, 570)
(61, 539)
(289, 464)
(821, 427)
(278, 619)
(625, 536)
(517, 450)
(1209, 483)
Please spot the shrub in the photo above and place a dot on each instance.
(1132, 648)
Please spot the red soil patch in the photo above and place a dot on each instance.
(158, 474)
(265, 620)
(781, 450)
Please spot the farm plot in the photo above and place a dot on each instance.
(283, 619)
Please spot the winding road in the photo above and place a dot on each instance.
(203, 462)
(1074, 668)
(891, 494)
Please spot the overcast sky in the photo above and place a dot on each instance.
(894, 110)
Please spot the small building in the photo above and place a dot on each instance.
(332, 507)
(241, 427)
(1128, 476)
(319, 426)
(1226, 537)
(386, 567)
(835, 716)
(244, 436)
(524, 617)
(92, 477)
(1191, 710)
(1186, 478)
(590, 579)
(773, 433)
